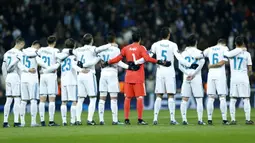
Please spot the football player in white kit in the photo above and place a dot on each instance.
(87, 84)
(192, 81)
(48, 81)
(12, 81)
(165, 78)
(69, 70)
(109, 81)
(241, 68)
(29, 83)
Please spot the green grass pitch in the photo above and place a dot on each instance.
(162, 133)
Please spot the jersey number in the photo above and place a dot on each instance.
(67, 65)
(9, 60)
(215, 59)
(106, 57)
(163, 54)
(26, 62)
(46, 60)
(82, 59)
(238, 61)
(191, 59)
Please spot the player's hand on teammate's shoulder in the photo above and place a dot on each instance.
(32, 70)
(164, 63)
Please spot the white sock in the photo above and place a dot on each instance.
(232, 108)
(16, 109)
(247, 109)
(23, 112)
(171, 106)
(114, 108)
(184, 110)
(223, 107)
(51, 111)
(42, 111)
(7, 107)
(33, 110)
(210, 108)
(157, 106)
(73, 114)
(63, 109)
(92, 106)
(199, 109)
(101, 110)
(79, 109)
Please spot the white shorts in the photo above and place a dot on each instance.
(12, 83)
(69, 93)
(166, 84)
(29, 90)
(48, 84)
(109, 84)
(219, 85)
(87, 85)
(241, 90)
(192, 88)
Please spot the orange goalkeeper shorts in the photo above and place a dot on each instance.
(134, 89)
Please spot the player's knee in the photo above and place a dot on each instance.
(8, 101)
(222, 98)
(33, 101)
(185, 98)
(114, 95)
(139, 97)
(64, 102)
(211, 96)
(160, 95)
(43, 98)
(17, 100)
(170, 95)
(74, 103)
(52, 98)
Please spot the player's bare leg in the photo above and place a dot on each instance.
(7, 107)
(139, 108)
(101, 107)
(127, 110)
(23, 106)
(171, 106)
(210, 108)
(73, 113)
(224, 109)
(79, 108)
(52, 107)
(200, 109)
(91, 110)
(232, 108)
(42, 109)
(247, 111)
(33, 110)
(184, 110)
(63, 109)
(157, 106)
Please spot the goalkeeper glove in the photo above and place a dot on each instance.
(164, 63)
(80, 64)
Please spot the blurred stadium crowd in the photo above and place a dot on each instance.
(208, 19)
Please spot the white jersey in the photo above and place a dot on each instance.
(11, 60)
(188, 55)
(164, 50)
(68, 72)
(86, 54)
(48, 55)
(239, 69)
(107, 55)
(215, 54)
(29, 63)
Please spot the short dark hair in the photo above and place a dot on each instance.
(239, 41)
(164, 32)
(19, 40)
(110, 37)
(87, 38)
(192, 40)
(136, 36)
(51, 39)
(222, 41)
(70, 43)
(36, 42)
